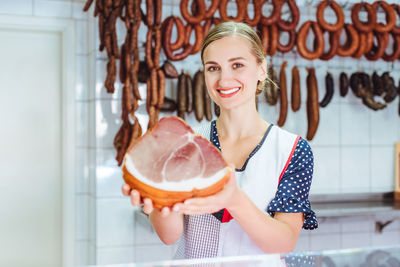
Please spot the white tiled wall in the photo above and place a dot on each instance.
(353, 147)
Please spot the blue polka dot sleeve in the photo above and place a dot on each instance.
(292, 194)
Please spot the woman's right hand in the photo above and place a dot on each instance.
(137, 201)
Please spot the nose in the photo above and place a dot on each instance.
(225, 78)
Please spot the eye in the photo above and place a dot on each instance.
(237, 65)
(212, 68)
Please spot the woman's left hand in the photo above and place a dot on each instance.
(223, 199)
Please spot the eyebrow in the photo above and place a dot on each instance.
(230, 60)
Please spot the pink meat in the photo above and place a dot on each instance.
(173, 152)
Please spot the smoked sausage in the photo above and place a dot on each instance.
(339, 16)
(296, 97)
(352, 42)
(275, 15)
(241, 7)
(312, 104)
(329, 90)
(199, 95)
(283, 109)
(370, 24)
(295, 15)
(193, 19)
(302, 38)
(390, 16)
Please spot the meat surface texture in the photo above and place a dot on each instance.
(173, 162)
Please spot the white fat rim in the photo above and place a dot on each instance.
(198, 182)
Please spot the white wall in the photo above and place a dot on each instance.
(353, 148)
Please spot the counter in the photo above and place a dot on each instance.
(377, 256)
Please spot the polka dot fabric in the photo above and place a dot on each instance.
(293, 189)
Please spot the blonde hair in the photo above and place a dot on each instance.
(243, 30)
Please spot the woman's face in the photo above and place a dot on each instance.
(231, 72)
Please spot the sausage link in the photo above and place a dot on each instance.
(343, 84)
(283, 97)
(161, 88)
(199, 95)
(148, 49)
(296, 97)
(312, 104)
(157, 46)
(154, 87)
(189, 93)
(329, 90)
(181, 95)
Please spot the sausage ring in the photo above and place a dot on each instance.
(180, 33)
(193, 19)
(198, 37)
(377, 52)
(273, 39)
(390, 15)
(264, 36)
(275, 15)
(396, 48)
(289, 46)
(339, 15)
(361, 45)
(302, 38)
(241, 10)
(334, 43)
(286, 25)
(352, 41)
(396, 8)
(363, 27)
(257, 14)
(211, 10)
(166, 44)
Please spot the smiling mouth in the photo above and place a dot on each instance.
(228, 92)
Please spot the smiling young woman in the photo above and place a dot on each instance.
(265, 203)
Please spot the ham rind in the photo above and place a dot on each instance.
(172, 153)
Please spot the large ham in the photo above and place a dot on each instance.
(171, 163)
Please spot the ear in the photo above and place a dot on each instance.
(262, 74)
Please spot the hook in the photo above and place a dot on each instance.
(344, 6)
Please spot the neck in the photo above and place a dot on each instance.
(240, 122)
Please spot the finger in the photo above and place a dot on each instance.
(200, 201)
(126, 189)
(165, 211)
(147, 206)
(135, 198)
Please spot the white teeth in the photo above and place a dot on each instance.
(227, 92)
